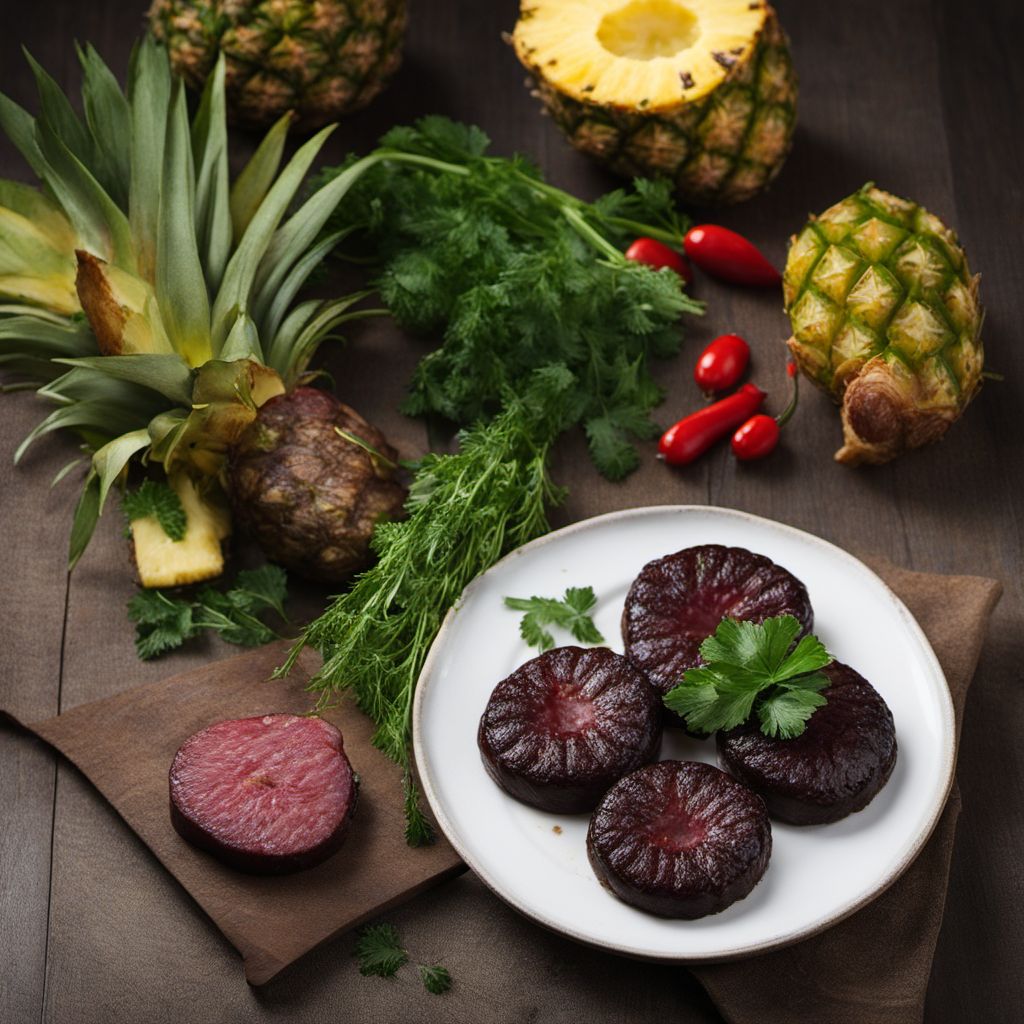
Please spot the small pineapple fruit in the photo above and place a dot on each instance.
(317, 58)
(702, 92)
(886, 318)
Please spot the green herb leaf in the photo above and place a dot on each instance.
(163, 622)
(785, 713)
(751, 667)
(518, 275)
(418, 830)
(257, 590)
(379, 952)
(436, 979)
(156, 499)
(571, 613)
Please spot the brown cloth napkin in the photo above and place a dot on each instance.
(125, 743)
(873, 968)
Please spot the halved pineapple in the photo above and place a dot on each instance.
(701, 91)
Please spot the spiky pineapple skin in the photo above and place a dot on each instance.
(722, 149)
(886, 317)
(320, 59)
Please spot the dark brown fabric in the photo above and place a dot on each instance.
(125, 744)
(873, 968)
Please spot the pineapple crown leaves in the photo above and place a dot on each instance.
(142, 293)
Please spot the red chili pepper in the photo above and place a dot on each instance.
(759, 436)
(725, 254)
(722, 363)
(695, 434)
(656, 254)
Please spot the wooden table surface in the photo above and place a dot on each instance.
(923, 96)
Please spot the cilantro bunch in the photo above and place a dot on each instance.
(752, 668)
(515, 275)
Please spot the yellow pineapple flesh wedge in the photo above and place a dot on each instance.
(699, 91)
(163, 562)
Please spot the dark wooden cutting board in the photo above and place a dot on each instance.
(124, 746)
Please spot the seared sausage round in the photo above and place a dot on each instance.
(678, 601)
(838, 763)
(562, 728)
(680, 839)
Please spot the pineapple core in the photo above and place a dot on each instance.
(638, 56)
(645, 29)
(162, 562)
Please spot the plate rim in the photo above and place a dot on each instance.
(947, 737)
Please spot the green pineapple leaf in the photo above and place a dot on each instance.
(87, 514)
(180, 286)
(212, 203)
(251, 186)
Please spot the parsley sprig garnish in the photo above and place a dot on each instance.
(159, 500)
(753, 668)
(380, 954)
(572, 613)
(163, 622)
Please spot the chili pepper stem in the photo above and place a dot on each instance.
(786, 414)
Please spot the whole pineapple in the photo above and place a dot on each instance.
(886, 318)
(309, 480)
(156, 305)
(317, 58)
(702, 92)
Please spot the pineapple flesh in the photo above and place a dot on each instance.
(317, 59)
(886, 318)
(163, 562)
(702, 92)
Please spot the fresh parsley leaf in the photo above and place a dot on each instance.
(379, 951)
(436, 979)
(163, 622)
(754, 668)
(159, 500)
(785, 713)
(261, 589)
(381, 954)
(572, 613)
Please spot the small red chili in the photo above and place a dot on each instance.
(695, 434)
(722, 363)
(759, 436)
(725, 254)
(656, 254)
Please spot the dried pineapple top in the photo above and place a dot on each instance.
(639, 54)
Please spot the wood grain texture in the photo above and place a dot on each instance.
(923, 96)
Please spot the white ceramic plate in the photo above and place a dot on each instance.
(538, 862)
